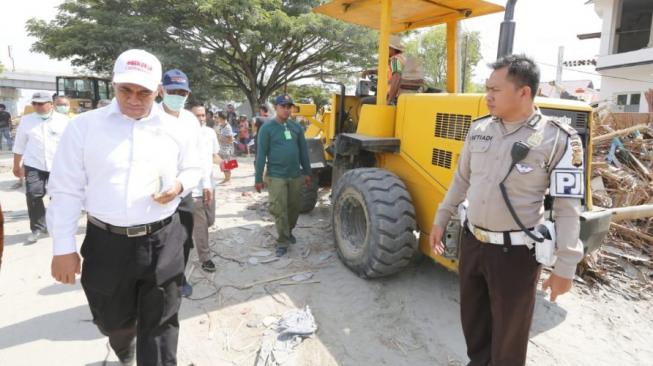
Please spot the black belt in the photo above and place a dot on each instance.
(131, 231)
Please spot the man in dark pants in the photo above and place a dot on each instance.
(37, 139)
(5, 127)
(176, 90)
(498, 270)
(282, 146)
(128, 163)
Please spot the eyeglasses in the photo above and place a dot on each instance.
(39, 104)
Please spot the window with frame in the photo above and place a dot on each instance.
(634, 27)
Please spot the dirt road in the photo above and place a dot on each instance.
(409, 319)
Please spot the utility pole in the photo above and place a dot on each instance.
(13, 64)
(464, 65)
(561, 55)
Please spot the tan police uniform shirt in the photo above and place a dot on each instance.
(485, 161)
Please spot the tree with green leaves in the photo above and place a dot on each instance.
(430, 48)
(309, 93)
(253, 46)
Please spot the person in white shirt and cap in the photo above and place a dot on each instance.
(128, 164)
(176, 90)
(37, 139)
(203, 197)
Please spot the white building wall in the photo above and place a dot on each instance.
(613, 81)
(606, 10)
(611, 87)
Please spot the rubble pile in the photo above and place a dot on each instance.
(622, 177)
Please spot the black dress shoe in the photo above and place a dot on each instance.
(208, 266)
(281, 251)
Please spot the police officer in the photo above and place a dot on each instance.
(128, 164)
(174, 93)
(498, 270)
(37, 139)
(282, 146)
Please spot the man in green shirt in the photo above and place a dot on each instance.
(281, 144)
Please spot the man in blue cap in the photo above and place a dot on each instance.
(282, 145)
(175, 93)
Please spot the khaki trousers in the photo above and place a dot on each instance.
(284, 198)
(203, 218)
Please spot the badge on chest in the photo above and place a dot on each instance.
(287, 135)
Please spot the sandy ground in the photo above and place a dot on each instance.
(408, 319)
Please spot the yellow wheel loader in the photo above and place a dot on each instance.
(389, 166)
(84, 92)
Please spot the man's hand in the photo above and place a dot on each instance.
(64, 267)
(435, 239)
(558, 285)
(169, 195)
(19, 171)
(259, 187)
(308, 180)
(208, 196)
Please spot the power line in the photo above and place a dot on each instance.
(594, 73)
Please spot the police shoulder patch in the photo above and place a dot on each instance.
(563, 126)
(568, 178)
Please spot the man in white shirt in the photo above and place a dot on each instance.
(203, 197)
(128, 164)
(37, 139)
(175, 93)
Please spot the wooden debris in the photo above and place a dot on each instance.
(629, 231)
(622, 181)
(619, 133)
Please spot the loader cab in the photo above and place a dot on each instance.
(84, 92)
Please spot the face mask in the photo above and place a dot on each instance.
(44, 116)
(174, 102)
(62, 109)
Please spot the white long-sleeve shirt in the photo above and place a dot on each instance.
(112, 165)
(37, 139)
(209, 146)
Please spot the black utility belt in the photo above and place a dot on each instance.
(131, 231)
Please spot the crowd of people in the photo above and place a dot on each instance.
(143, 173)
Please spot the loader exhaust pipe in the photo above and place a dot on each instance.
(507, 32)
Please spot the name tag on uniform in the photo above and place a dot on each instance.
(288, 135)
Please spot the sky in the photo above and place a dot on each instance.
(542, 26)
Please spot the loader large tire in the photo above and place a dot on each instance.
(309, 195)
(373, 222)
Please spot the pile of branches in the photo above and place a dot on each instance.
(622, 176)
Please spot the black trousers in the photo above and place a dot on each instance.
(35, 188)
(497, 299)
(185, 210)
(132, 287)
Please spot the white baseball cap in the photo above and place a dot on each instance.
(138, 67)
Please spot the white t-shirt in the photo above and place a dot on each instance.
(208, 146)
(37, 140)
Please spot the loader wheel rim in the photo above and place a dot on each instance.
(353, 222)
